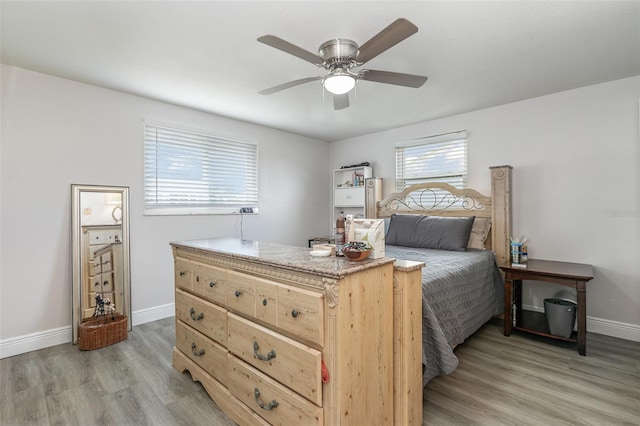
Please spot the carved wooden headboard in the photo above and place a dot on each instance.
(441, 199)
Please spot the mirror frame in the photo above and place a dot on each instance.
(76, 254)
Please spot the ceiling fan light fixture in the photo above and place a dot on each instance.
(339, 83)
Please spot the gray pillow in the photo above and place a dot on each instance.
(443, 233)
(387, 221)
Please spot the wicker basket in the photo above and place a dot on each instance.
(97, 333)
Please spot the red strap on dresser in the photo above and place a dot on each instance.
(325, 373)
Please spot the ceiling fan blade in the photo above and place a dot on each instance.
(288, 85)
(388, 77)
(397, 31)
(340, 101)
(292, 49)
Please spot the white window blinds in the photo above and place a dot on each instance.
(441, 158)
(191, 172)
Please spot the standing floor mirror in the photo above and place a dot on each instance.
(100, 244)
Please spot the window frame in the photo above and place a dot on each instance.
(227, 206)
(452, 139)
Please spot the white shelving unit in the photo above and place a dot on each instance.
(349, 192)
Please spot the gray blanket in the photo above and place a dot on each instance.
(460, 292)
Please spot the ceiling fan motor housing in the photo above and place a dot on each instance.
(338, 51)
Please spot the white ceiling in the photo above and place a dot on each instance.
(204, 55)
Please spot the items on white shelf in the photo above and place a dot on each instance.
(349, 188)
(357, 179)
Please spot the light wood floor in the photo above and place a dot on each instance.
(517, 380)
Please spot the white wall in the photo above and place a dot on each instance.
(575, 184)
(57, 132)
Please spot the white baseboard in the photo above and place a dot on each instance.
(153, 314)
(614, 328)
(607, 327)
(34, 341)
(58, 336)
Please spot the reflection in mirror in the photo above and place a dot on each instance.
(100, 243)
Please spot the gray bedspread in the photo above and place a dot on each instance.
(460, 292)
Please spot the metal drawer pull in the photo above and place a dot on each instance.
(211, 284)
(193, 315)
(264, 302)
(273, 404)
(196, 353)
(238, 293)
(197, 278)
(271, 355)
(295, 313)
(182, 273)
(105, 283)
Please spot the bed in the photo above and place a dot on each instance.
(462, 287)
(460, 292)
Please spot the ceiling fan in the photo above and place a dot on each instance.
(339, 56)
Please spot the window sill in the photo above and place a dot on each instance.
(182, 211)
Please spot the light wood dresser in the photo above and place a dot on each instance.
(278, 337)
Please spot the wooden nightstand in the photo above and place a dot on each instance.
(574, 275)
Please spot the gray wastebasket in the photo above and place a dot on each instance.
(561, 315)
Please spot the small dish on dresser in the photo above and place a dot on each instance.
(320, 253)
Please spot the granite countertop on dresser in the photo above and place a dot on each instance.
(289, 257)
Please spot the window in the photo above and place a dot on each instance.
(192, 172)
(441, 158)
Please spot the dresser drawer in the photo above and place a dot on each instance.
(207, 318)
(182, 274)
(105, 261)
(284, 359)
(274, 402)
(301, 312)
(94, 283)
(98, 237)
(94, 266)
(252, 296)
(210, 283)
(205, 352)
(101, 283)
(348, 197)
(266, 301)
(241, 293)
(106, 280)
(292, 309)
